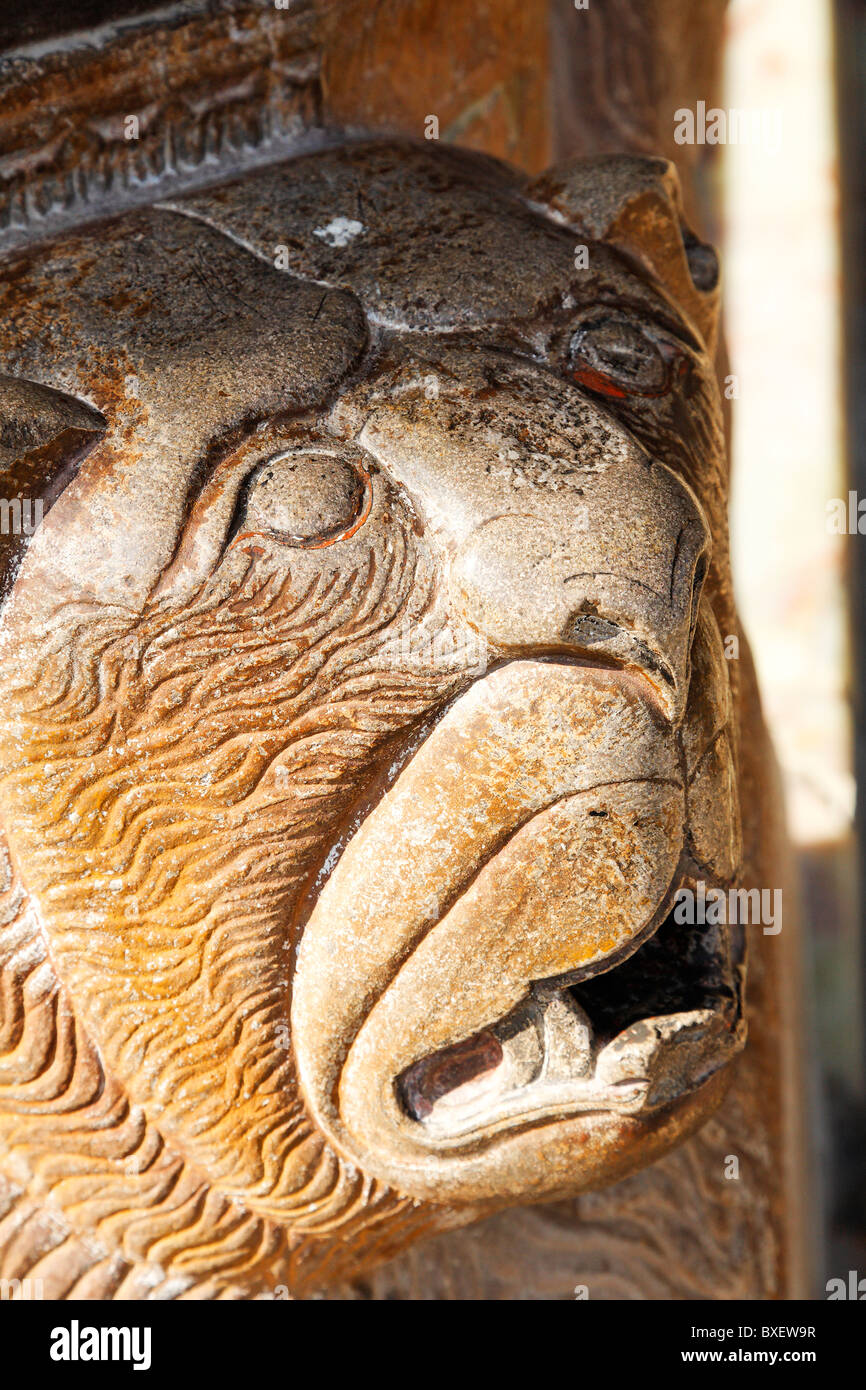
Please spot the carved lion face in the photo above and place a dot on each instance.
(364, 701)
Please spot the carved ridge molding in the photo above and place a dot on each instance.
(215, 94)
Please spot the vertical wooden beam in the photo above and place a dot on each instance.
(620, 70)
(482, 69)
(848, 1176)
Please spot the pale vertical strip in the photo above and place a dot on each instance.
(782, 305)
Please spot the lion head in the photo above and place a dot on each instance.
(364, 707)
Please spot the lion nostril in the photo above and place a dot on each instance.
(620, 645)
(586, 631)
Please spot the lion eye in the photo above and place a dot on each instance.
(302, 499)
(618, 357)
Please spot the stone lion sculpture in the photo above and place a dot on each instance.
(364, 708)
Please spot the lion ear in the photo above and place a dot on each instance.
(634, 203)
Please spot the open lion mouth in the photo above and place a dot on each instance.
(628, 1040)
(496, 950)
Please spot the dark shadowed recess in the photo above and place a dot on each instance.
(38, 20)
(676, 970)
(844, 1087)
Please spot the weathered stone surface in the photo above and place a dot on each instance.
(363, 709)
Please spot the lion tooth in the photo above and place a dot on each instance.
(523, 1055)
(567, 1039)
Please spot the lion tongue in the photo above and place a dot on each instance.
(548, 1037)
(452, 1068)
